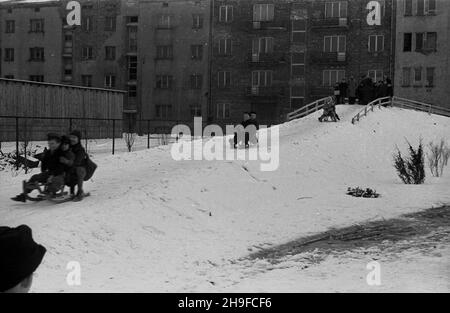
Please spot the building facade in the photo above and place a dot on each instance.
(31, 36)
(332, 41)
(423, 51)
(250, 63)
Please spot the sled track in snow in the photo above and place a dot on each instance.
(431, 226)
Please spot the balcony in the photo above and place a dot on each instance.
(266, 92)
(330, 23)
(269, 25)
(266, 59)
(329, 57)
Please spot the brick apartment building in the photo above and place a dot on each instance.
(250, 65)
(30, 41)
(275, 56)
(332, 41)
(423, 51)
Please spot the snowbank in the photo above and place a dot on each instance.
(155, 224)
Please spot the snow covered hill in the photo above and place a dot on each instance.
(155, 224)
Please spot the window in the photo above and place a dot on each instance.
(196, 81)
(37, 54)
(430, 76)
(262, 78)
(376, 75)
(87, 53)
(417, 76)
(36, 78)
(262, 45)
(376, 43)
(298, 58)
(408, 7)
(407, 42)
(110, 53)
(86, 23)
(132, 67)
(331, 77)
(299, 37)
(406, 76)
(9, 55)
(164, 81)
(110, 81)
(196, 110)
(223, 110)
(10, 26)
(336, 9)
(226, 13)
(132, 91)
(164, 52)
(197, 21)
(132, 19)
(86, 80)
(110, 23)
(164, 21)
(36, 25)
(224, 79)
(263, 12)
(334, 44)
(430, 7)
(132, 38)
(426, 7)
(426, 41)
(225, 46)
(163, 111)
(299, 25)
(196, 52)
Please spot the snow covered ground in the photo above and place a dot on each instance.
(155, 224)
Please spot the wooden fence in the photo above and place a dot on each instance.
(36, 109)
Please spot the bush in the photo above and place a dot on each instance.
(438, 157)
(411, 170)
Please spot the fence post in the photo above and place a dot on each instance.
(113, 135)
(148, 134)
(17, 143)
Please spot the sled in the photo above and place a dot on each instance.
(60, 197)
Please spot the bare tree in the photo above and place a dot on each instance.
(130, 139)
(438, 156)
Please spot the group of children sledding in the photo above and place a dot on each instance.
(246, 134)
(329, 111)
(64, 163)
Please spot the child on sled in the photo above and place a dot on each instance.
(329, 111)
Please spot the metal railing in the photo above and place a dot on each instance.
(402, 103)
(420, 106)
(308, 109)
(369, 107)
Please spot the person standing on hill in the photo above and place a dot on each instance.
(352, 85)
(343, 90)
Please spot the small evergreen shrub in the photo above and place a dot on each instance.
(411, 170)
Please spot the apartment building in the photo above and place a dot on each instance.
(30, 41)
(173, 61)
(250, 62)
(339, 43)
(423, 51)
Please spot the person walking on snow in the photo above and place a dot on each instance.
(352, 85)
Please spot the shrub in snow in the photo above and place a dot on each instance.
(438, 156)
(362, 193)
(411, 170)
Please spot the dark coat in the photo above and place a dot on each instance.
(80, 155)
(51, 163)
